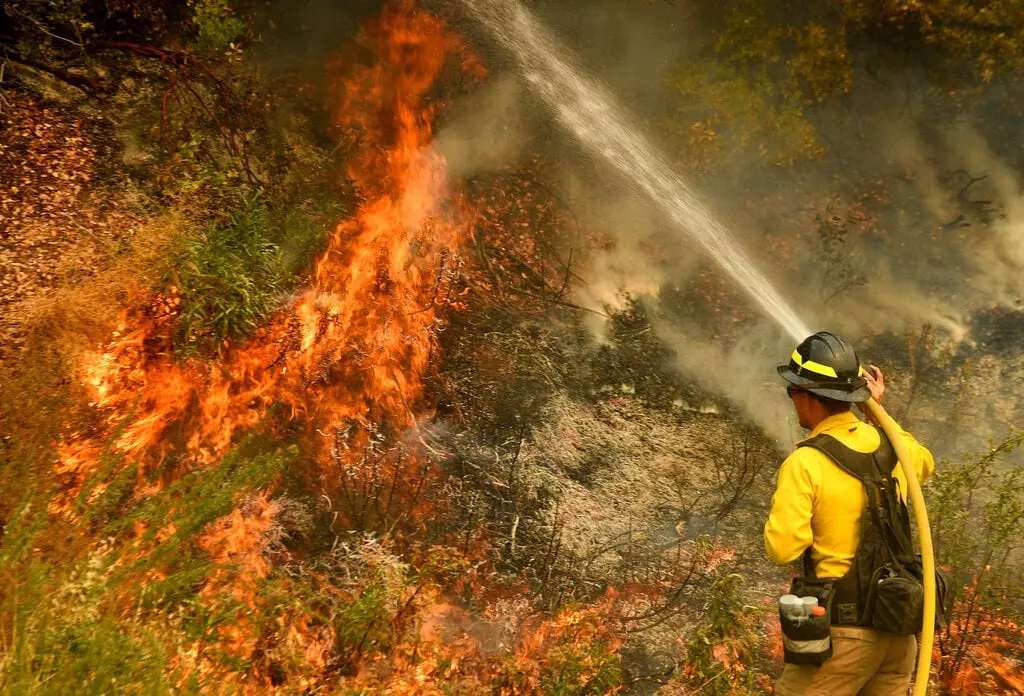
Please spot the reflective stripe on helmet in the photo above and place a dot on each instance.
(814, 367)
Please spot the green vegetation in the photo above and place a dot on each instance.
(41, 27)
(97, 624)
(58, 637)
(779, 74)
(230, 275)
(581, 670)
(576, 661)
(733, 103)
(722, 650)
(218, 28)
(977, 508)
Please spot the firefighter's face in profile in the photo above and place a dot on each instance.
(801, 402)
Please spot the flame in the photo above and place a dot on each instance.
(355, 346)
(346, 359)
(983, 655)
(449, 649)
(350, 352)
(237, 539)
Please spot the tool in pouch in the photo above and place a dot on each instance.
(805, 616)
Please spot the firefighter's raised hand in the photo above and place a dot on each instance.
(876, 383)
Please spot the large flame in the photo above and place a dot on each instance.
(354, 348)
(348, 354)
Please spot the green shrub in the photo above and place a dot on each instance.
(42, 28)
(577, 658)
(108, 623)
(233, 273)
(301, 233)
(218, 27)
(719, 653)
(977, 509)
(57, 640)
(581, 670)
(229, 277)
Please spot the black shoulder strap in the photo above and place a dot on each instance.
(860, 465)
(874, 471)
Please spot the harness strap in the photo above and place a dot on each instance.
(888, 512)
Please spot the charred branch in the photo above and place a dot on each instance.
(82, 82)
(162, 54)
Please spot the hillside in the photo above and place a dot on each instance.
(330, 365)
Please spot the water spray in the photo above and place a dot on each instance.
(593, 117)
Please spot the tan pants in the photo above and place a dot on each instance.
(864, 661)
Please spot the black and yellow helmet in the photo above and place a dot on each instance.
(826, 365)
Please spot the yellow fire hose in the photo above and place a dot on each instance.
(924, 650)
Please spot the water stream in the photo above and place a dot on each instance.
(591, 114)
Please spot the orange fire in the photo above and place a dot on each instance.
(348, 354)
(990, 661)
(354, 348)
(345, 360)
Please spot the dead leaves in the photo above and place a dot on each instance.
(58, 218)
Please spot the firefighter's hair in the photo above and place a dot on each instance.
(832, 406)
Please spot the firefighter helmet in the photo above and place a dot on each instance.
(826, 364)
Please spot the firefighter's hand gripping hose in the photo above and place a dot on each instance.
(924, 650)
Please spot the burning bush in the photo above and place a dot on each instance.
(978, 509)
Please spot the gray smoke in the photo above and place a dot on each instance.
(935, 258)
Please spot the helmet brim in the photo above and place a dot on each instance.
(857, 396)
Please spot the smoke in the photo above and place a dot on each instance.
(486, 130)
(900, 138)
(743, 371)
(932, 256)
(627, 266)
(895, 304)
(999, 254)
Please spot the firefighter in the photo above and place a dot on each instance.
(820, 513)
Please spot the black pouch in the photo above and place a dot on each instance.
(943, 597)
(808, 640)
(897, 602)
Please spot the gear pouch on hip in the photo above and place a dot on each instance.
(898, 603)
(943, 596)
(806, 639)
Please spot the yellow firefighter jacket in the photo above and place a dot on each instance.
(818, 505)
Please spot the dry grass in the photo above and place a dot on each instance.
(41, 392)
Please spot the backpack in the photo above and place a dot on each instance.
(883, 589)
